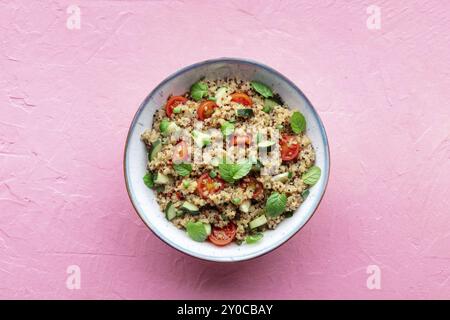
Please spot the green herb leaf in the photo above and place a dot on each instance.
(298, 122)
(183, 169)
(186, 184)
(148, 180)
(199, 90)
(276, 204)
(311, 176)
(227, 171)
(197, 231)
(231, 172)
(254, 238)
(262, 89)
(269, 104)
(227, 128)
(243, 168)
(212, 174)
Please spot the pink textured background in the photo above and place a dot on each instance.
(68, 96)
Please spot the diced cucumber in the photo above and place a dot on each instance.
(167, 127)
(258, 222)
(189, 208)
(244, 112)
(201, 139)
(221, 93)
(282, 177)
(171, 211)
(266, 144)
(269, 104)
(156, 147)
(161, 178)
(245, 206)
(164, 125)
(208, 228)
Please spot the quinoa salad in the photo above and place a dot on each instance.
(229, 160)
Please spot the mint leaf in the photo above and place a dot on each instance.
(242, 169)
(199, 90)
(148, 180)
(275, 204)
(227, 128)
(311, 176)
(227, 171)
(183, 169)
(231, 172)
(262, 89)
(197, 231)
(253, 238)
(298, 122)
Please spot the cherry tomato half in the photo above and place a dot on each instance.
(223, 236)
(290, 148)
(172, 103)
(181, 152)
(241, 98)
(253, 184)
(207, 185)
(206, 109)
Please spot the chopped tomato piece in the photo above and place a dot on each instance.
(207, 185)
(172, 103)
(223, 236)
(290, 148)
(206, 109)
(242, 98)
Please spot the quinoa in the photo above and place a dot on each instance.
(220, 203)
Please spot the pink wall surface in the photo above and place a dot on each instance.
(67, 97)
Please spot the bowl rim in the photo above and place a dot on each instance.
(172, 76)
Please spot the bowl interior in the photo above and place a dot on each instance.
(136, 156)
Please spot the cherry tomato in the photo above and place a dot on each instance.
(181, 152)
(172, 103)
(241, 139)
(206, 109)
(207, 185)
(241, 98)
(255, 185)
(223, 236)
(290, 148)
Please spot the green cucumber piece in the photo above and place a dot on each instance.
(171, 211)
(189, 208)
(245, 206)
(156, 148)
(161, 179)
(266, 144)
(201, 139)
(221, 93)
(258, 222)
(283, 177)
(244, 113)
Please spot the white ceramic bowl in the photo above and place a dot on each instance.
(135, 158)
